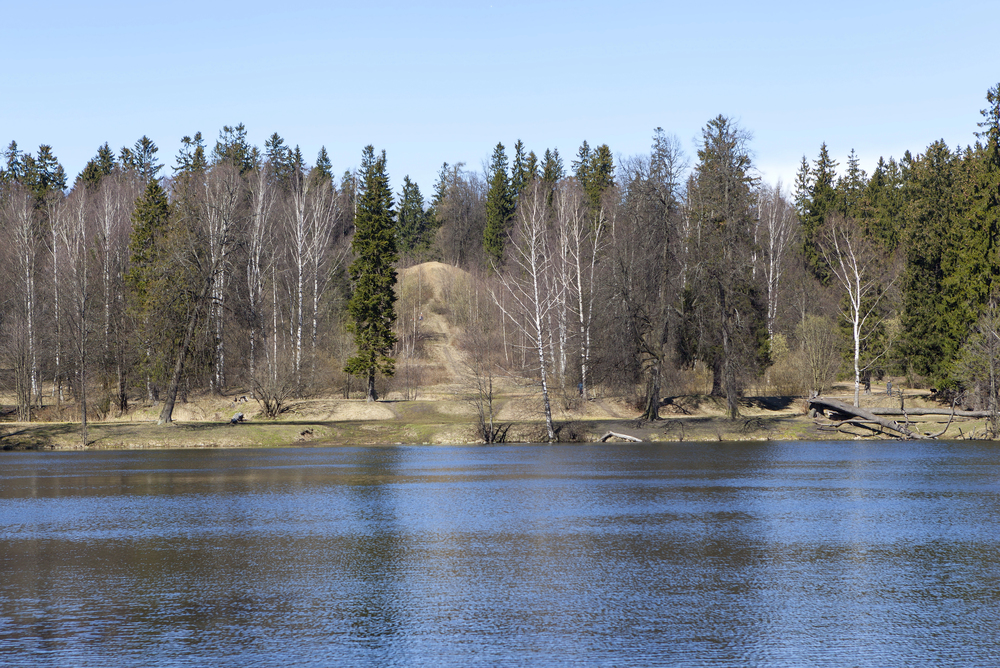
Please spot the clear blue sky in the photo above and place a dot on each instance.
(431, 82)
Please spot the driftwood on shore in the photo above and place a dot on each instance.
(624, 437)
(844, 412)
(930, 411)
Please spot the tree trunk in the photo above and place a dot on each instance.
(652, 410)
(372, 394)
(166, 414)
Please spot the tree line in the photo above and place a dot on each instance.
(642, 276)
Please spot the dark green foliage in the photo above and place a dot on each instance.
(101, 165)
(42, 175)
(731, 309)
(596, 174)
(191, 158)
(929, 340)
(851, 188)
(141, 158)
(14, 161)
(519, 175)
(821, 200)
(232, 148)
(414, 226)
(373, 274)
(279, 158)
(499, 207)
(882, 205)
(803, 186)
(149, 229)
(323, 167)
(552, 173)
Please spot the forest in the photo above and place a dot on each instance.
(238, 269)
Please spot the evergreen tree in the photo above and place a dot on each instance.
(232, 147)
(412, 222)
(821, 201)
(881, 210)
(101, 165)
(14, 160)
(518, 171)
(582, 162)
(499, 207)
(323, 165)
(191, 157)
(42, 175)
(973, 275)
(150, 219)
(733, 312)
(929, 343)
(552, 173)
(141, 158)
(373, 273)
(148, 282)
(530, 168)
(803, 186)
(851, 188)
(279, 157)
(597, 175)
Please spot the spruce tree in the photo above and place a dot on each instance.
(373, 273)
(499, 207)
(518, 171)
(101, 165)
(412, 223)
(821, 201)
(928, 344)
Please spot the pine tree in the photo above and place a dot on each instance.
(373, 273)
(499, 207)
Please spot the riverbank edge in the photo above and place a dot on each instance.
(66, 436)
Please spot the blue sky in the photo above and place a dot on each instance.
(431, 82)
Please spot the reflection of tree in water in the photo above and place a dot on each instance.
(373, 551)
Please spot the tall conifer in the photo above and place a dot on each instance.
(373, 273)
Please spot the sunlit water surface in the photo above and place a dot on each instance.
(800, 554)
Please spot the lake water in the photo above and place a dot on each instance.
(765, 554)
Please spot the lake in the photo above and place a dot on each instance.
(707, 554)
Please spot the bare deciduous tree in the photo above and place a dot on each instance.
(861, 269)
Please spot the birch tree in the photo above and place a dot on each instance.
(21, 336)
(777, 222)
(74, 234)
(526, 284)
(859, 267)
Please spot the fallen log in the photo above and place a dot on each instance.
(836, 408)
(625, 437)
(929, 411)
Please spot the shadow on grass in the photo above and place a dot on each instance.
(36, 436)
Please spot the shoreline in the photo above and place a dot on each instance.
(446, 420)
